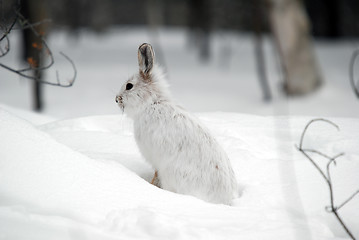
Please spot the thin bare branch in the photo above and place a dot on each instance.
(309, 123)
(28, 71)
(343, 225)
(6, 49)
(5, 36)
(71, 80)
(26, 25)
(349, 198)
(327, 176)
(43, 42)
(8, 30)
(314, 164)
(353, 82)
(331, 159)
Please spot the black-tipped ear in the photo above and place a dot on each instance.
(146, 58)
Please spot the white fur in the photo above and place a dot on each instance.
(186, 156)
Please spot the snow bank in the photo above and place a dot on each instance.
(32, 117)
(85, 179)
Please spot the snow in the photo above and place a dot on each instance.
(74, 171)
(85, 179)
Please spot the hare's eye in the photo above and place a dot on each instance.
(129, 86)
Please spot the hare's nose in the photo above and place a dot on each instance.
(118, 98)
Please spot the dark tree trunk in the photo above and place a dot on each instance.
(258, 17)
(200, 26)
(37, 93)
(34, 11)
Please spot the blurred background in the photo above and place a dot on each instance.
(266, 57)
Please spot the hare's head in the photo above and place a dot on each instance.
(144, 88)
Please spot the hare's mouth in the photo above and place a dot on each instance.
(119, 101)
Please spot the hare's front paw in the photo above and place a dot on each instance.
(155, 180)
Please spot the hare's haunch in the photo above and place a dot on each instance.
(187, 158)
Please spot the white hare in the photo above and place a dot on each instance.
(186, 157)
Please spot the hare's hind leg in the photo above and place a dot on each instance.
(155, 180)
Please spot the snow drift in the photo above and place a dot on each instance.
(85, 179)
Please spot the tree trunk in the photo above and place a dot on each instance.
(199, 22)
(290, 28)
(155, 20)
(34, 12)
(257, 18)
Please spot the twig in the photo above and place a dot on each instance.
(71, 80)
(324, 155)
(309, 123)
(26, 24)
(353, 84)
(327, 177)
(349, 198)
(6, 48)
(5, 36)
(8, 30)
(27, 72)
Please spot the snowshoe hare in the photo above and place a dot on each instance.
(186, 157)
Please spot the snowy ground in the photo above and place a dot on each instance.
(83, 178)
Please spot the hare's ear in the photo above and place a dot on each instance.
(146, 57)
